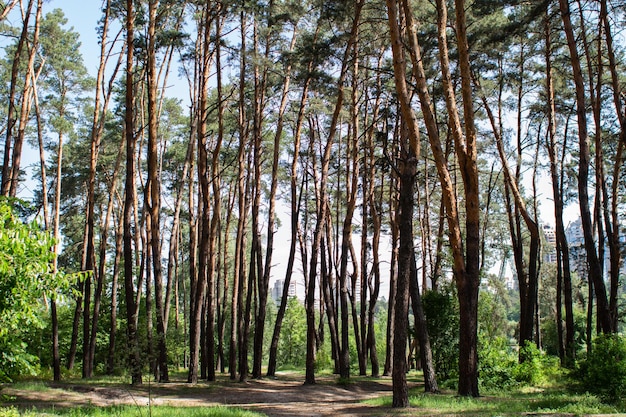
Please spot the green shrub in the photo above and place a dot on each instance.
(603, 372)
(535, 367)
(497, 363)
(442, 318)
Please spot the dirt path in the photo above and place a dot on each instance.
(284, 396)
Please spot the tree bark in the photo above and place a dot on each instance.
(295, 215)
(322, 212)
(129, 203)
(153, 192)
(9, 172)
(595, 270)
(562, 244)
(421, 332)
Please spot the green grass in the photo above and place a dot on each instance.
(31, 385)
(132, 411)
(512, 404)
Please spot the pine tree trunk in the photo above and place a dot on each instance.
(129, 203)
(595, 270)
(421, 330)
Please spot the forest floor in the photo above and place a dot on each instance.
(286, 395)
(282, 396)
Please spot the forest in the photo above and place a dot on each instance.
(365, 187)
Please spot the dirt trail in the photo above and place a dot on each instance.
(284, 396)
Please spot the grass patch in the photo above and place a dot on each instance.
(133, 411)
(30, 385)
(512, 404)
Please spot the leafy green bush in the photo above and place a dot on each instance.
(442, 318)
(603, 372)
(536, 367)
(292, 342)
(500, 368)
(497, 363)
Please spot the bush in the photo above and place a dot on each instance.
(603, 372)
(499, 366)
(497, 363)
(442, 318)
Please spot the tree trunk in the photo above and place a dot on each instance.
(405, 254)
(9, 174)
(406, 171)
(612, 213)
(119, 233)
(421, 332)
(562, 244)
(153, 192)
(322, 212)
(527, 280)
(202, 289)
(295, 215)
(129, 203)
(595, 270)
(256, 259)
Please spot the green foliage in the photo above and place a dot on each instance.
(535, 367)
(26, 277)
(603, 372)
(550, 337)
(497, 363)
(9, 412)
(500, 368)
(292, 343)
(441, 311)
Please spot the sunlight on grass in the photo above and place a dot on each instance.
(130, 411)
(505, 404)
(31, 385)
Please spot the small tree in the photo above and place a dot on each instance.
(26, 279)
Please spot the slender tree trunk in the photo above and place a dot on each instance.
(119, 234)
(595, 270)
(406, 171)
(153, 192)
(215, 220)
(393, 277)
(562, 244)
(421, 332)
(129, 203)
(528, 280)
(9, 174)
(201, 286)
(405, 253)
(56, 358)
(261, 281)
(97, 128)
(239, 269)
(612, 212)
(295, 215)
(322, 213)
